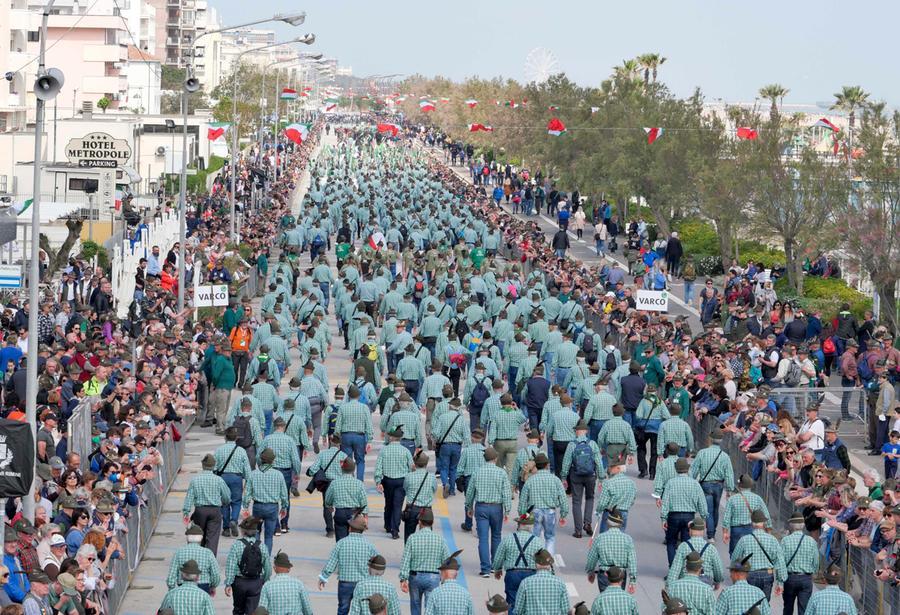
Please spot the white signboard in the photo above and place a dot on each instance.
(98, 150)
(653, 300)
(211, 296)
(10, 276)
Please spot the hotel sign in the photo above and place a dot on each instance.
(98, 150)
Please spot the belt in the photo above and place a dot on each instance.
(505, 440)
(415, 572)
(355, 433)
(713, 481)
(208, 506)
(436, 398)
(520, 570)
(283, 469)
(764, 570)
(799, 574)
(734, 527)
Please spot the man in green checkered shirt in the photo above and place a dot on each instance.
(713, 570)
(488, 499)
(295, 426)
(515, 556)
(329, 460)
(245, 590)
(618, 491)
(616, 438)
(561, 431)
(674, 429)
(246, 402)
(419, 486)
(713, 468)
(372, 585)
(267, 491)
(423, 553)
(471, 458)
(665, 469)
(503, 433)
(831, 599)
(612, 548)
(599, 408)
(233, 465)
(492, 404)
(694, 593)
(451, 434)
(408, 419)
(543, 493)
(354, 423)
(269, 401)
(543, 592)
(682, 499)
(766, 558)
(187, 597)
(801, 557)
(391, 467)
(525, 455)
(283, 593)
(450, 598)
(738, 510)
(350, 557)
(207, 494)
(346, 496)
(614, 600)
(209, 577)
(287, 462)
(580, 483)
(740, 597)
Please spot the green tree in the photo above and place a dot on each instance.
(850, 99)
(774, 93)
(650, 62)
(103, 104)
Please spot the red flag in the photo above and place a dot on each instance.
(555, 127)
(214, 133)
(826, 124)
(391, 128)
(653, 133)
(748, 134)
(477, 127)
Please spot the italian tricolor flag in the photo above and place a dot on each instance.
(298, 133)
(377, 240)
(555, 127)
(823, 123)
(391, 128)
(553, 108)
(216, 130)
(471, 102)
(445, 100)
(330, 104)
(426, 105)
(653, 133)
(288, 94)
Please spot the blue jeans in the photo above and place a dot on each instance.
(511, 583)
(762, 580)
(354, 445)
(409, 445)
(713, 492)
(561, 374)
(689, 291)
(324, 287)
(677, 531)
(232, 512)
(288, 475)
(737, 532)
(420, 587)
(604, 526)
(268, 512)
(269, 416)
(560, 254)
(797, 588)
(545, 520)
(447, 461)
(345, 596)
(595, 426)
(489, 524)
(600, 245)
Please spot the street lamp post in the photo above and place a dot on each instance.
(192, 85)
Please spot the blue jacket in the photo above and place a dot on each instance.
(18, 584)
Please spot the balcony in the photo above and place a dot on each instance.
(104, 53)
(23, 19)
(12, 102)
(102, 85)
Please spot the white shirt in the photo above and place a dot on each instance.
(817, 427)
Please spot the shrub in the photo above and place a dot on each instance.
(708, 266)
(698, 238)
(825, 294)
(89, 249)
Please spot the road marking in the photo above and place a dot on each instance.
(560, 562)
(570, 587)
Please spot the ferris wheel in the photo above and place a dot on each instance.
(540, 65)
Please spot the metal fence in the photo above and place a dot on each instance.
(142, 519)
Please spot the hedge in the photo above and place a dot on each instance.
(825, 294)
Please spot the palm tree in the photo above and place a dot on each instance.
(775, 93)
(628, 70)
(650, 62)
(850, 99)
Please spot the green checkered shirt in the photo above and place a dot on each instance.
(740, 506)
(765, 552)
(612, 548)
(449, 598)
(350, 557)
(285, 450)
(206, 489)
(347, 491)
(524, 455)
(489, 485)
(232, 562)
(565, 355)
(551, 407)
(712, 563)
(561, 426)
(677, 431)
(267, 395)
(394, 461)
(741, 597)
(424, 551)
(266, 486)
(683, 494)
(617, 491)
(411, 483)
(354, 417)
(490, 409)
(296, 428)
(648, 410)
(434, 386)
(599, 470)
(542, 593)
(374, 585)
(458, 433)
(614, 601)
(188, 598)
(255, 410)
(696, 595)
(322, 460)
(471, 458)
(209, 567)
(599, 407)
(544, 490)
(506, 424)
(239, 463)
(285, 594)
(410, 368)
(831, 599)
(665, 471)
(617, 431)
(719, 466)
(515, 354)
(803, 560)
(410, 421)
(509, 554)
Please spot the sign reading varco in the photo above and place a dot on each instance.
(98, 150)
(211, 296)
(652, 300)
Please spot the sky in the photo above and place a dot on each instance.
(727, 48)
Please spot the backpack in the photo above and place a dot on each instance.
(332, 417)
(583, 460)
(245, 434)
(689, 272)
(828, 346)
(528, 469)
(862, 367)
(460, 328)
(373, 353)
(479, 394)
(610, 363)
(318, 241)
(419, 286)
(449, 291)
(792, 378)
(457, 359)
(251, 564)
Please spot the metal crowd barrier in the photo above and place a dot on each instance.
(79, 430)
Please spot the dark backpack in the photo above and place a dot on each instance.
(318, 241)
(251, 564)
(583, 460)
(792, 377)
(610, 363)
(332, 419)
(862, 367)
(450, 291)
(479, 394)
(460, 328)
(245, 434)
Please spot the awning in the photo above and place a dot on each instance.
(50, 211)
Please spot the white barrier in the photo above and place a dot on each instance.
(162, 232)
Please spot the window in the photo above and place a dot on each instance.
(34, 36)
(112, 36)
